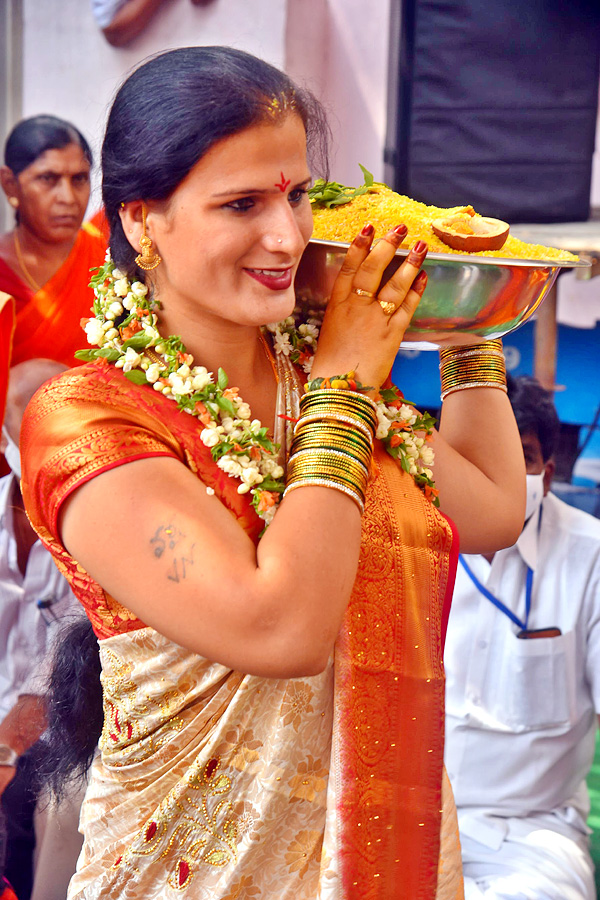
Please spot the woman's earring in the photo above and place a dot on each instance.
(147, 258)
(14, 202)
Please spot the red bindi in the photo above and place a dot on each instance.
(283, 183)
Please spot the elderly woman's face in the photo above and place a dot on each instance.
(232, 234)
(53, 193)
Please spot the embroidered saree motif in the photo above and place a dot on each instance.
(389, 697)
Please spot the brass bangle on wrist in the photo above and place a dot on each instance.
(333, 442)
(471, 366)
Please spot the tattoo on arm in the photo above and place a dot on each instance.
(168, 540)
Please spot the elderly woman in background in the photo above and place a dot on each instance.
(45, 259)
(273, 696)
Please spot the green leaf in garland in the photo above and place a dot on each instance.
(138, 341)
(223, 380)
(136, 376)
(86, 355)
(226, 405)
(108, 353)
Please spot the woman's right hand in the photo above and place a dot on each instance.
(357, 335)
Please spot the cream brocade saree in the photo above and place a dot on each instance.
(215, 785)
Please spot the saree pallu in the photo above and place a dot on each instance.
(216, 784)
(48, 322)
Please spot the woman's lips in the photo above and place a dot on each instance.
(275, 279)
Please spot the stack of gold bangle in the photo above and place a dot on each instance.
(471, 366)
(333, 443)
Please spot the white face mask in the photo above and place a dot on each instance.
(11, 454)
(535, 494)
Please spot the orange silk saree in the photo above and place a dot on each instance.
(48, 323)
(224, 785)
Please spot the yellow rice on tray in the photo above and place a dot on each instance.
(385, 209)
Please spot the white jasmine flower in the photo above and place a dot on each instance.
(157, 387)
(383, 423)
(230, 466)
(94, 332)
(183, 370)
(227, 424)
(179, 385)
(129, 302)
(116, 308)
(277, 472)
(153, 372)
(309, 332)
(121, 287)
(427, 456)
(243, 488)
(282, 343)
(407, 414)
(244, 411)
(139, 289)
(210, 437)
(307, 366)
(117, 274)
(111, 334)
(131, 360)
(254, 426)
(201, 379)
(251, 476)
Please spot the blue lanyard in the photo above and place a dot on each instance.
(498, 603)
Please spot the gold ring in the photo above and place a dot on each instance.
(361, 293)
(388, 307)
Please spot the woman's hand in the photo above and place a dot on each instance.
(357, 334)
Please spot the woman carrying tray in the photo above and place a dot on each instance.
(273, 696)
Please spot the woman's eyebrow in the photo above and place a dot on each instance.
(272, 190)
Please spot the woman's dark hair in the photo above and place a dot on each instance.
(75, 713)
(174, 108)
(534, 411)
(32, 137)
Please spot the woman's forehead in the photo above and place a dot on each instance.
(258, 151)
(67, 160)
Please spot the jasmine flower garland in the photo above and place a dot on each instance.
(123, 331)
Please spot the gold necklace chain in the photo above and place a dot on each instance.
(28, 277)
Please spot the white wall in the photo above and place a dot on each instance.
(339, 48)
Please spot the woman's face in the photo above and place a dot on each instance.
(232, 234)
(53, 193)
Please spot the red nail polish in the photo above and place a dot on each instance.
(367, 230)
(420, 247)
(401, 229)
(420, 281)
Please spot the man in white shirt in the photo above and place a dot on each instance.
(523, 688)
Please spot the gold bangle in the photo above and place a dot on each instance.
(472, 366)
(367, 430)
(328, 457)
(324, 482)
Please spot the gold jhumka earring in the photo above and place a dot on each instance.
(147, 259)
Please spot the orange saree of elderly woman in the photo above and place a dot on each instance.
(48, 323)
